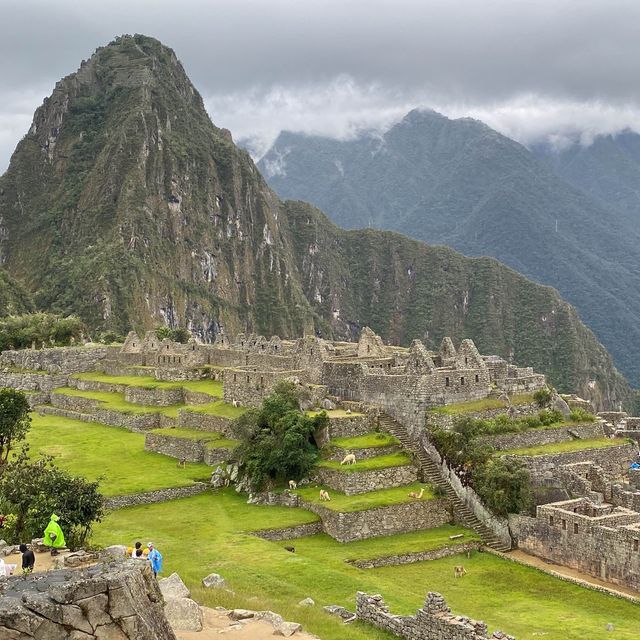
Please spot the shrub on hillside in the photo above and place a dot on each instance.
(177, 335)
(542, 397)
(581, 415)
(14, 421)
(503, 485)
(276, 440)
(20, 332)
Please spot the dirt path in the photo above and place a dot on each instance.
(533, 561)
(217, 625)
(44, 561)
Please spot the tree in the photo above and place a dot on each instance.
(177, 335)
(33, 490)
(14, 421)
(503, 485)
(276, 441)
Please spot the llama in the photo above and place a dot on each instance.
(459, 571)
(324, 496)
(350, 458)
(417, 496)
(293, 484)
(235, 403)
(348, 412)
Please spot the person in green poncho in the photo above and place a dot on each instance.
(53, 536)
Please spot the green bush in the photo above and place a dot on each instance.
(503, 485)
(276, 441)
(177, 335)
(580, 415)
(14, 421)
(20, 332)
(542, 397)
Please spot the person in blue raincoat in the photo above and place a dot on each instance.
(155, 558)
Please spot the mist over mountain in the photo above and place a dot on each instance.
(460, 183)
(125, 205)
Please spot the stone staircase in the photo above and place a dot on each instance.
(431, 473)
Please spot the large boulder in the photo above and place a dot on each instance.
(214, 581)
(173, 587)
(183, 614)
(559, 404)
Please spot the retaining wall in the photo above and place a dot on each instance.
(338, 453)
(345, 427)
(65, 360)
(537, 437)
(204, 422)
(160, 495)
(32, 381)
(352, 483)
(416, 556)
(290, 533)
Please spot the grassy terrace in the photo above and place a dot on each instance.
(379, 462)
(566, 447)
(116, 456)
(367, 441)
(210, 387)
(116, 402)
(363, 501)
(214, 440)
(335, 413)
(474, 406)
(519, 600)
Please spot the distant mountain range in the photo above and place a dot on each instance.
(568, 219)
(125, 205)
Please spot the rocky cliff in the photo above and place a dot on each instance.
(126, 205)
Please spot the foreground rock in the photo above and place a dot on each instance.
(183, 613)
(118, 601)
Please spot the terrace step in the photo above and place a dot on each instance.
(431, 473)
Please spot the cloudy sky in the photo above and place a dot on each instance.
(532, 69)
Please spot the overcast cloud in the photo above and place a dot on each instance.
(533, 70)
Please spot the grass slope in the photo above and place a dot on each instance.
(565, 447)
(519, 600)
(473, 406)
(115, 456)
(367, 441)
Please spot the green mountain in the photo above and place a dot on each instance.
(460, 183)
(125, 205)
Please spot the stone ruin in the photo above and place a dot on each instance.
(433, 622)
(118, 601)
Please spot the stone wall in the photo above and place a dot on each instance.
(65, 360)
(32, 381)
(160, 495)
(117, 600)
(204, 422)
(249, 387)
(383, 521)
(345, 427)
(613, 460)
(352, 483)
(537, 437)
(433, 622)
(290, 533)
(447, 421)
(338, 453)
(155, 397)
(185, 448)
(415, 556)
(600, 540)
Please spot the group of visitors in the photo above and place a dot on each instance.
(150, 553)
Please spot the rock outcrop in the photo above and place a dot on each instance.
(115, 601)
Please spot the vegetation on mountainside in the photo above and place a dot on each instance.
(460, 183)
(22, 331)
(126, 222)
(276, 440)
(14, 299)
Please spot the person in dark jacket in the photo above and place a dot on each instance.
(28, 559)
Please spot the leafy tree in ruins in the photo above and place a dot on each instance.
(14, 421)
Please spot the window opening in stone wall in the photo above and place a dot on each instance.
(462, 380)
(247, 378)
(564, 524)
(235, 377)
(477, 378)
(134, 344)
(636, 544)
(551, 521)
(261, 381)
(575, 527)
(446, 382)
(368, 348)
(466, 360)
(167, 347)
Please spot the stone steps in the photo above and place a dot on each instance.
(431, 473)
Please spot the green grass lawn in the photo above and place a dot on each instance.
(379, 462)
(118, 456)
(116, 402)
(369, 440)
(212, 438)
(472, 406)
(211, 387)
(209, 532)
(370, 500)
(218, 408)
(565, 447)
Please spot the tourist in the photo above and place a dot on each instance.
(28, 559)
(155, 558)
(53, 536)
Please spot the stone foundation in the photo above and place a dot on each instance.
(204, 422)
(160, 495)
(290, 533)
(120, 601)
(433, 622)
(185, 448)
(345, 427)
(364, 481)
